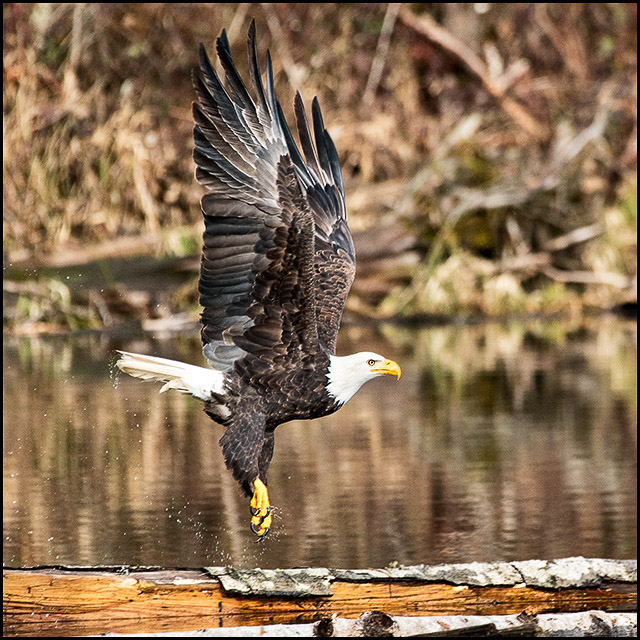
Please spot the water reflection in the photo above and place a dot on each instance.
(498, 443)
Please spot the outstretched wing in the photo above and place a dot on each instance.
(256, 279)
(268, 218)
(321, 179)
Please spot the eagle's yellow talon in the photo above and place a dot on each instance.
(260, 510)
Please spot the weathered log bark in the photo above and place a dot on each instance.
(374, 624)
(83, 601)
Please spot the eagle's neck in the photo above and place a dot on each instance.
(345, 377)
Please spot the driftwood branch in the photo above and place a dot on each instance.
(426, 26)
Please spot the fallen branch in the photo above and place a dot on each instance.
(426, 26)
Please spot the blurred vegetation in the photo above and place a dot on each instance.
(495, 145)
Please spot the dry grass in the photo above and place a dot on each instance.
(97, 132)
(97, 112)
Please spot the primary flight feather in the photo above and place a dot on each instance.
(277, 265)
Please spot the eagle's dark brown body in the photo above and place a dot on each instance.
(251, 409)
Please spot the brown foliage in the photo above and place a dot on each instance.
(504, 125)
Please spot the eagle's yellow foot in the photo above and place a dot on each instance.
(260, 510)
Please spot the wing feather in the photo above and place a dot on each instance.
(277, 259)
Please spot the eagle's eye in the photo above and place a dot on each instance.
(371, 362)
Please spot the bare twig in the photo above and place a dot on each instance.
(75, 49)
(426, 26)
(575, 236)
(377, 66)
(566, 44)
(630, 154)
(589, 277)
(238, 20)
(295, 74)
(524, 262)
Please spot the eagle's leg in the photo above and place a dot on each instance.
(260, 509)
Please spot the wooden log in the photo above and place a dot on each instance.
(67, 601)
(374, 624)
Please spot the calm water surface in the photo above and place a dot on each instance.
(498, 443)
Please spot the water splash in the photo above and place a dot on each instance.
(114, 370)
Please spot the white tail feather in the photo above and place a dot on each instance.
(187, 378)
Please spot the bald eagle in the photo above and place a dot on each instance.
(277, 263)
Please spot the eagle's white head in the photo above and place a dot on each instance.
(348, 373)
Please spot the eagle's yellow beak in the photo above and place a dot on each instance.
(390, 367)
